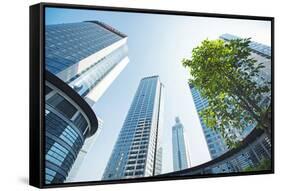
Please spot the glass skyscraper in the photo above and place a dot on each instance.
(215, 142)
(179, 149)
(135, 151)
(82, 60)
(87, 56)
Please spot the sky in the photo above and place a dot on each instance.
(157, 44)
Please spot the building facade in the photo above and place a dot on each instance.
(72, 175)
(214, 140)
(253, 151)
(260, 52)
(81, 61)
(88, 56)
(135, 151)
(158, 162)
(69, 121)
(179, 148)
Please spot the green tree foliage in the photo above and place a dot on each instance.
(229, 78)
(265, 164)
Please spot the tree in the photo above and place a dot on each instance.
(230, 79)
(265, 164)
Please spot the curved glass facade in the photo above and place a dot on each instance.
(66, 131)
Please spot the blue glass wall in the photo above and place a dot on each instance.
(85, 81)
(65, 135)
(67, 44)
(256, 47)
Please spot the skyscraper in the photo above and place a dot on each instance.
(179, 149)
(88, 56)
(135, 151)
(215, 142)
(82, 60)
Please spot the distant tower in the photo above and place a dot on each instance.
(179, 150)
(136, 149)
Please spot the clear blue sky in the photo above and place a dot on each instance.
(157, 44)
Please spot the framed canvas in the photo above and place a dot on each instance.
(121, 95)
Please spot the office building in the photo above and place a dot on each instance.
(135, 151)
(69, 121)
(88, 56)
(82, 60)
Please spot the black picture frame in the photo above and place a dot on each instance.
(37, 93)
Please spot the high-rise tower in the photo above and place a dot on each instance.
(135, 151)
(81, 61)
(179, 149)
